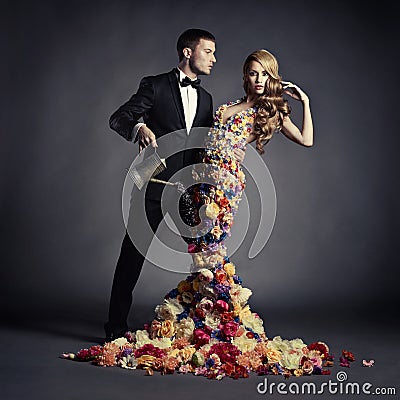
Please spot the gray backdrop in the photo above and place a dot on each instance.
(66, 66)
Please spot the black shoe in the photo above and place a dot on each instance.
(112, 334)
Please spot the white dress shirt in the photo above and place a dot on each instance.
(189, 101)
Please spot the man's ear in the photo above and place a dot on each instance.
(187, 52)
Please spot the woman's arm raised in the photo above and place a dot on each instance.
(289, 129)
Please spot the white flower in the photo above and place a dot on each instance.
(142, 338)
(205, 275)
(291, 359)
(244, 343)
(184, 328)
(278, 344)
(120, 341)
(169, 309)
(297, 344)
(254, 322)
(128, 362)
(162, 343)
(212, 320)
(240, 294)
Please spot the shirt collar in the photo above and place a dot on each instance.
(182, 75)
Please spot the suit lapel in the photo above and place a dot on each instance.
(199, 105)
(176, 94)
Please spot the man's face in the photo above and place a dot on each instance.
(202, 58)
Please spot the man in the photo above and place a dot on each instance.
(168, 102)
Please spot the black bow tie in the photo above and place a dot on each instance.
(187, 81)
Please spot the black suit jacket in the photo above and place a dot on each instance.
(158, 101)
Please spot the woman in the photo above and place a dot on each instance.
(205, 325)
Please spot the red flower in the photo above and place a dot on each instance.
(227, 352)
(89, 354)
(226, 317)
(221, 306)
(229, 329)
(200, 337)
(348, 355)
(319, 346)
(150, 350)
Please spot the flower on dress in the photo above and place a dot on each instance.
(169, 309)
(166, 329)
(240, 294)
(205, 275)
(128, 362)
(184, 328)
(254, 322)
(212, 210)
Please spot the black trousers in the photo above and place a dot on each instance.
(128, 268)
(144, 218)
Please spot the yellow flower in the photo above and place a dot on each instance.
(298, 372)
(167, 328)
(229, 269)
(273, 356)
(146, 360)
(212, 210)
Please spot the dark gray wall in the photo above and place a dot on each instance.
(66, 66)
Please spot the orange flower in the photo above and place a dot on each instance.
(220, 275)
(167, 328)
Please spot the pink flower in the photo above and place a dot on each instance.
(229, 329)
(221, 306)
(200, 337)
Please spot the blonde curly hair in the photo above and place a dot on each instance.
(271, 107)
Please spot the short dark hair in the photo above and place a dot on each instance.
(191, 38)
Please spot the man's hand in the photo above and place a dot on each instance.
(239, 154)
(146, 137)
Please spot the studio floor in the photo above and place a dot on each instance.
(32, 369)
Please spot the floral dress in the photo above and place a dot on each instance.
(205, 325)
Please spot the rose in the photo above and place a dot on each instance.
(169, 309)
(167, 328)
(200, 337)
(226, 317)
(221, 306)
(229, 329)
(291, 359)
(216, 232)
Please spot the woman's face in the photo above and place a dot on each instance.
(256, 78)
